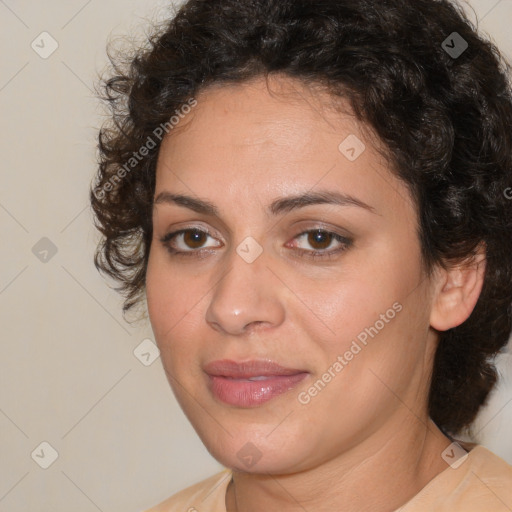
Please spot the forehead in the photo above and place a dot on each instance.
(273, 137)
(275, 110)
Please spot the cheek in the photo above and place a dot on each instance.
(376, 312)
(353, 303)
(157, 294)
(175, 309)
(167, 297)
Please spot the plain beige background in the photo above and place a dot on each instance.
(113, 436)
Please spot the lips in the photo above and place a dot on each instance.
(250, 383)
(248, 369)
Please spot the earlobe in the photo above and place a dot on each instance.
(457, 292)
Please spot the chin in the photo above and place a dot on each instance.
(264, 462)
(251, 451)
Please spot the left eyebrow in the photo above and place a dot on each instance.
(277, 207)
(290, 203)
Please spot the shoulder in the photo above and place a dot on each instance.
(482, 482)
(493, 473)
(207, 495)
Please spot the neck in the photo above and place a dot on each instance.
(375, 475)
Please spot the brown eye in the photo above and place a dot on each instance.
(318, 242)
(186, 242)
(320, 239)
(194, 238)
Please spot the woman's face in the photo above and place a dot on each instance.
(349, 327)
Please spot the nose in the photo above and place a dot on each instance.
(247, 297)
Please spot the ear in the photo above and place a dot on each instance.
(456, 292)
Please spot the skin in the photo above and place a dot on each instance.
(365, 442)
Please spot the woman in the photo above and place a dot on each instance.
(312, 197)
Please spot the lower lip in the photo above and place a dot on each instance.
(245, 393)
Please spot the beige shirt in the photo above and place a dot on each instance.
(482, 483)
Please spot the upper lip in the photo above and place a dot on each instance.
(247, 369)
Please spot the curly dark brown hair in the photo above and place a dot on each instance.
(442, 110)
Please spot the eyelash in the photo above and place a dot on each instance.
(314, 254)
